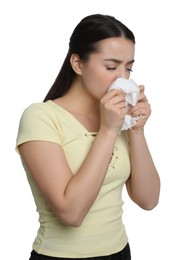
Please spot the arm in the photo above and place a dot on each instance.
(143, 186)
(71, 196)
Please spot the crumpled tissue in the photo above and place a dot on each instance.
(132, 92)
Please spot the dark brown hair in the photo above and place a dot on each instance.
(84, 41)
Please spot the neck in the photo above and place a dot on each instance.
(78, 100)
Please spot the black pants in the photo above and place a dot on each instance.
(122, 255)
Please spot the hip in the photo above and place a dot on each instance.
(124, 254)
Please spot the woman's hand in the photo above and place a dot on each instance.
(141, 109)
(113, 110)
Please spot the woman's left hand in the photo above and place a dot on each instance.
(141, 109)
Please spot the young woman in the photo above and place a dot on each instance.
(75, 155)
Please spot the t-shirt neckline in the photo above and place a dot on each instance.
(60, 108)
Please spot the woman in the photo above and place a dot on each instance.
(75, 155)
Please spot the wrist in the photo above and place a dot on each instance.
(111, 133)
(135, 132)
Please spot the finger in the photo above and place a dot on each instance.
(111, 94)
(140, 105)
(142, 96)
(144, 111)
(141, 88)
(118, 99)
(115, 92)
(115, 105)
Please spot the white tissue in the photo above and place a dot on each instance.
(132, 92)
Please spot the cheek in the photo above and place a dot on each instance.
(97, 87)
(96, 81)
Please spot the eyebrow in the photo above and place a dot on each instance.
(118, 61)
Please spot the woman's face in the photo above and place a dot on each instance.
(114, 59)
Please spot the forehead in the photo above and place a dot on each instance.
(117, 47)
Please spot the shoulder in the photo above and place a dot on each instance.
(38, 111)
(38, 122)
(36, 108)
(38, 116)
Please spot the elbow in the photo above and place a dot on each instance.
(147, 201)
(148, 205)
(70, 219)
(71, 216)
(74, 222)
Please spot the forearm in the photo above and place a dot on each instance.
(144, 183)
(84, 186)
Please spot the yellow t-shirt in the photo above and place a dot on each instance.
(102, 231)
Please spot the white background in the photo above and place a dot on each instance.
(34, 41)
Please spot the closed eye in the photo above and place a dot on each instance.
(129, 69)
(111, 68)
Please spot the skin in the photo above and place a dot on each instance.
(97, 109)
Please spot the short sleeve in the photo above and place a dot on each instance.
(38, 123)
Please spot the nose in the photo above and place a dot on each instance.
(123, 73)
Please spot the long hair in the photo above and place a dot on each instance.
(84, 41)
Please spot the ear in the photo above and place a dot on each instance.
(76, 63)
